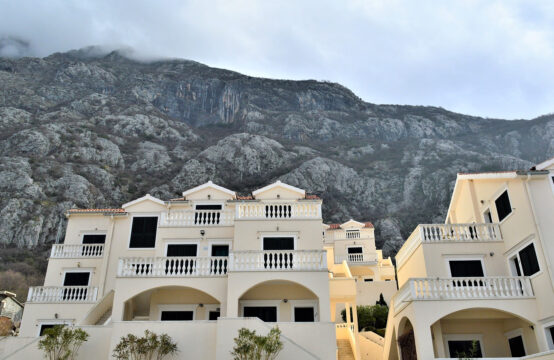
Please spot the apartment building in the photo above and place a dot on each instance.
(482, 283)
(204, 265)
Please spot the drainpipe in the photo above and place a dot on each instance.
(538, 230)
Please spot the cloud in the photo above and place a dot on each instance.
(482, 57)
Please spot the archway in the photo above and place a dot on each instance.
(406, 340)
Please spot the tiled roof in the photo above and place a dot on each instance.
(312, 197)
(246, 197)
(368, 224)
(178, 199)
(96, 210)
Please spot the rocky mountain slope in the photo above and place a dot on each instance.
(80, 129)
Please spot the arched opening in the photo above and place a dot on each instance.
(483, 332)
(172, 303)
(280, 300)
(406, 340)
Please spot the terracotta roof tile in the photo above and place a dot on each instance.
(247, 197)
(178, 199)
(96, 210)
(312, 197)
(334, 226)
(368, 224)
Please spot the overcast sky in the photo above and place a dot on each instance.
(487, 58)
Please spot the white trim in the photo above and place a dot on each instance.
(177, 307)
(157, 215)
(513, 334)
(304, 303)
(488, 175)
(209, 184)
(260, 303)
(144, 198)
(543, 165)
(277, 234)
(462, 257)
(278, 183)
(77, 270)
(184, 242)
(514, 252)
(548, 337)
(344, 225)
(462, 337)
(41, 322)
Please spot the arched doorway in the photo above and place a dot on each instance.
(406, 340)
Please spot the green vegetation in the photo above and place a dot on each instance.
(62, 342)
(148, 347)
(249, 346)
(21, 268)
(371, 318)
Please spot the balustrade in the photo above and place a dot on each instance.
(278, 260)
(197, 218)
(295, 210)
(186, 266)
(459, 232)
(62, 294)
(68, 251)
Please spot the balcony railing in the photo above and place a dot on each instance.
(186, 266)
(70, 251)
(291, 210)
(356, 258)
(503, 287)
(62, 294)
(278, 260)
(197, 218)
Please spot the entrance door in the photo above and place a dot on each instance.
(276, 256)
(219, 266)
(264, 313)
(80, 278)
(516, 346)
(181, 266)
(304, 314)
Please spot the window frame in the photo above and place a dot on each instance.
(304, 303)
(449, 258)
(513, 334)
(484, 212)
(221, 203)
(157, 215)
(548, 336)
(220, 242)
(498, 195)
(281, 235)
(177, 307)
(354, 246)
(182, 242)
(515, 253)
(40, 323)
(82, 236)
(462, 337)
(212, 307)
(262, 303)
(90, 271)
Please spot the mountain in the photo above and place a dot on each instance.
(91, 129)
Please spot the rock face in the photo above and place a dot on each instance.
(88, 130)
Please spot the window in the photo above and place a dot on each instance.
(355, 250)
(465, 348)
(76, 278)
(517, 348)
(352, 234)
(487, 216)
(208, 214)
(181, 250)
(525, 261)
(143, 232)
(278, 243)
(466, 268)
(170, 315)
(550, 336)
(208, 207)
(213, 315)
(368, 280)
(220, 250)
(304, 314)
(264, 313)
(503, 206)
(94, 239)
(43, 327)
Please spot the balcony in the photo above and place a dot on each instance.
(182, 218)
(458, 232)
(462, 288)
(69, 251)
(186, 266)
(278, 211)
(62, 294)
(357, 259)
(278, 260)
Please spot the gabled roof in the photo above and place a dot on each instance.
(278, 183)
(146, 197)
(366, 224)
(352, 222)
(544, 165)
(209, 184)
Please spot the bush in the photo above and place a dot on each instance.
(150, 346)
(249, 346)
(62, 343)
(371, 318)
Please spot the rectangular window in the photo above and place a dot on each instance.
(355, 250)
(177, 316)
(213, 315)
(464, 348)
(94, 239)
(503, 206)
(550, 337)
(181, 250)
(466, 268)
(304, 314)
(44, 327)
(368, 280)
(529, 261)
(143, 232)
(278, 243)
(516, 346)
(220, 250)
(76, 279)
(264, 313)
(487, 216)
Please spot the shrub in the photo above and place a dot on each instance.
(371, 318)
(62, 343)
(249, 346)
(150, 346)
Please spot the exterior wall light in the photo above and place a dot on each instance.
(200, 305)
(202, 232)
(285, 300)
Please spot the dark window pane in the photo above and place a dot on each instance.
(354, 250)
(368, 280)
(278, 243)
(264, 313)
(466, 268)
(464, 348)
(516, 346)
(551, 329)
(76, 279)
(220, 250)
(516, 264)
(213, 315)
(143, 232)
(176, 315)
(304, 314)
(181, 250)
(529, 261)
(503, 206)
(488, 217)
(43, 327)
(208, 207)
(94, 239)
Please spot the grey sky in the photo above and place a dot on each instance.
(487, 58)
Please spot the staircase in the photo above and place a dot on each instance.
(344, 350)
(104, 317)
